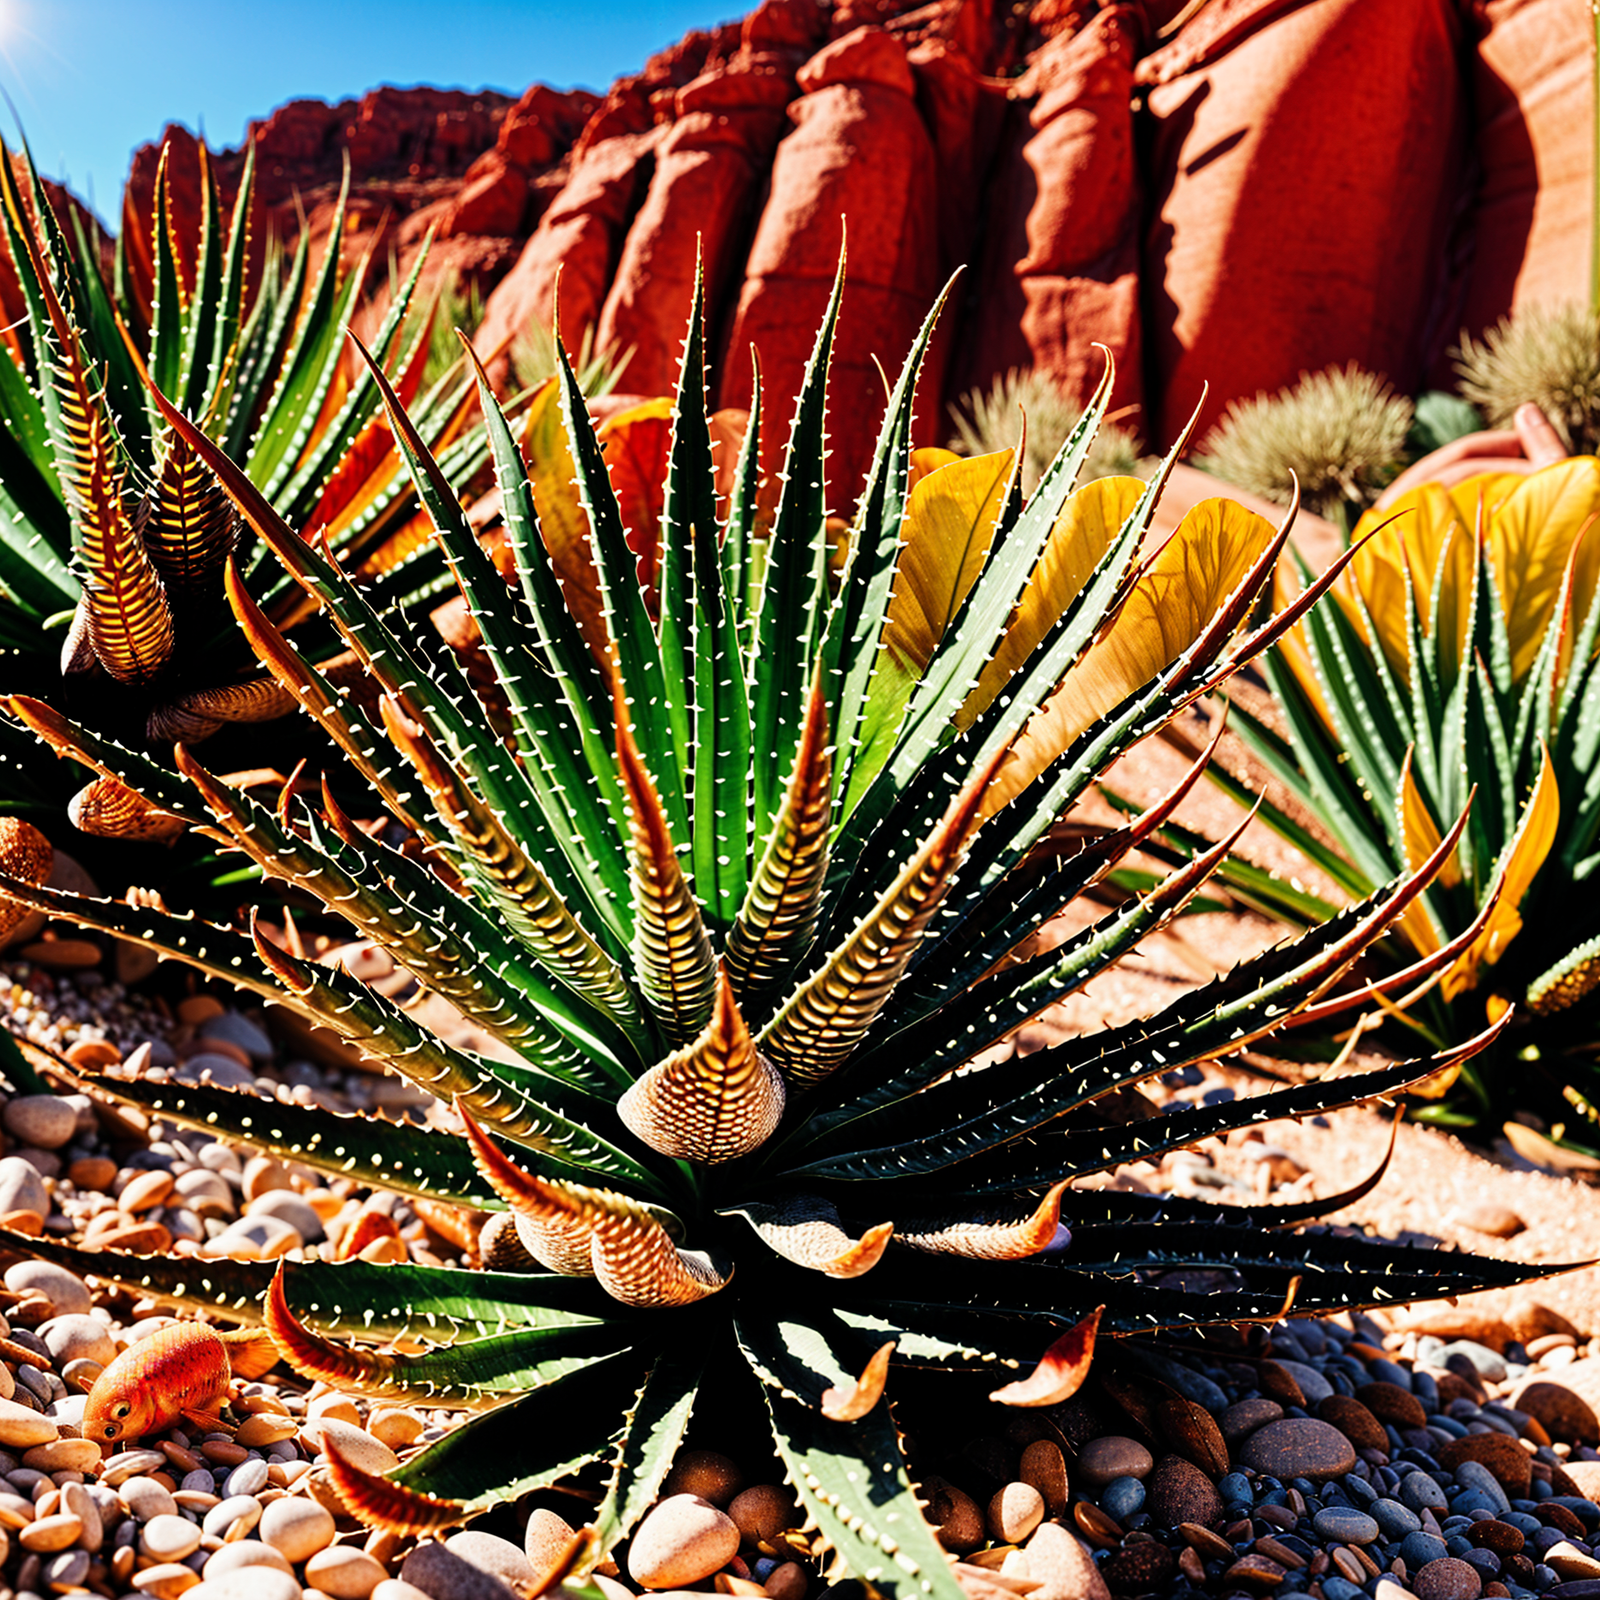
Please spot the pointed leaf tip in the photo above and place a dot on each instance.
(1061, 1369)
(850, 1405)
(381, 1504)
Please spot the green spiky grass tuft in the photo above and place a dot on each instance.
(1340, 433)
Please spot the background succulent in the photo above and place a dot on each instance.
(743, 889)
(1335, 438)
(989, 421)
(1547, 354)
(1458, 667)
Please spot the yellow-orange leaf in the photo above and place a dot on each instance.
(636, 443)
(1084, 531)
(561, 517)
(1519, 866)
(1530, 536)
(949, 524)
(1169, 607)
(1419, 529)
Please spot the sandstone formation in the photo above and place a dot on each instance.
(1224, 192)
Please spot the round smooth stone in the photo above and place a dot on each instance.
(1475, 1475)
(238, 1030)
(706, 1473)
(67, 1293)
(49, 1534)
(21, 1427)
(247, 1583)
(1122, 1498)
(296, 1527)
(1113, 1456)
(1447, 1579)
(22, 1190)
(169, 1538)
(211, 1066)
(237, 1509)
(1062, 1563)
(1421, 1493)
(345, 1572)
(395, 1426)
(1178, 1491)
(1394, 1519)
(681, 1541)
(80, 1503)
(442, 1575)
(1313, 1385)
(356, 1445)
(146, 1498)
(1014, 1512)
(494, 1555)
(262, 1173)
(76, 1337)
(287, 1206)
(547, 1536)
(246, 1478)
(1345, 1525)
(1419, 1548)
(243, 1554)
(399, 1589)
(1298, 1447)
(63, 1455)
(44, 1120)
(144, 1191)
(762, 1511)
(166, 1580)
(66, 1571)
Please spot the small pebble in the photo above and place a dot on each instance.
(681, 1541)
(295, 1527)
(1113, 1456)
(345, 1572)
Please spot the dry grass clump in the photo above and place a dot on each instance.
(1547, 354)
(1340, 433)
(989, 421)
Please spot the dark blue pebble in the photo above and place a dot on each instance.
(1474, 1499)
(1544, 1578)
(1486, 1561)
(1419, 1548)
(1395, 1519)
(1456, 1430)
(1390, 1372)
(1235, 1489)
(1293, 1541)
(1361, 1492)
(1218, 1097)
(1182, 1077)
(1543, 1537)
(1426, 1390)
(1337, 1588)
(1122, 1497)
(1276, 1496)
(1520, 1520)
(1459, 1545)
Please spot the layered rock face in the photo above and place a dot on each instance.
(1227, 192)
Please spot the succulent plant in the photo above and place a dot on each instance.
(1457, 668)
(1334, 439)
(743, 890)
(1549, 355)
(987, 422)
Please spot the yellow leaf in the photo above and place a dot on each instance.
(950, 518)
(1531, 534)
(562, 520)
(1086, 528)
(1419, 530)
(927, 459)
(1518, 867)
(1421, 837)
(1170, 605)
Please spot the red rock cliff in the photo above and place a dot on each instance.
(1227, 192)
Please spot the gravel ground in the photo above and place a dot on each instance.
(1443, 1452)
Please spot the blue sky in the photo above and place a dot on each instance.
(93, 79)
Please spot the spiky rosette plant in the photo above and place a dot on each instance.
(745, 898)
(113, 531)
(1459, 660)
